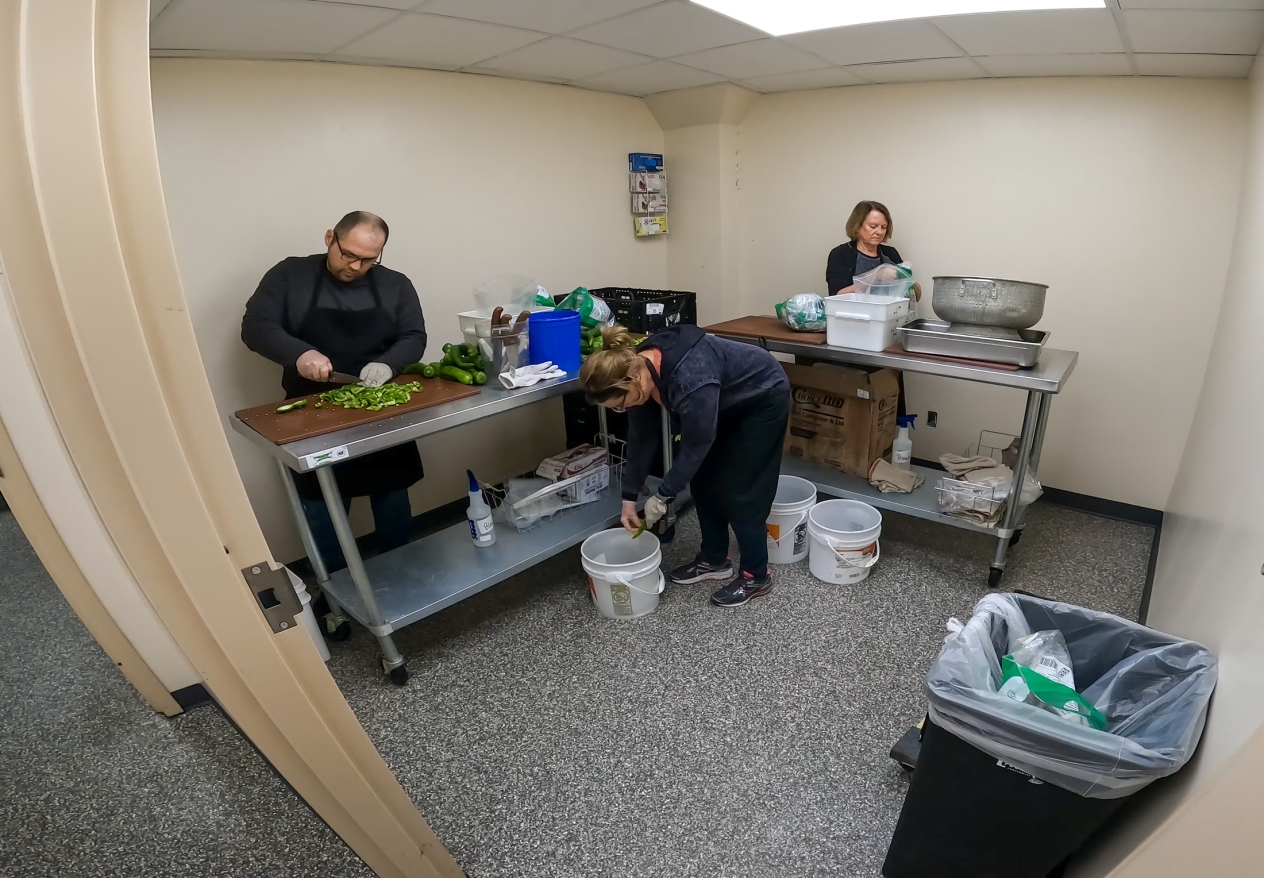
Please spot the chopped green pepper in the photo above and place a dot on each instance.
(374, 399)
(291, 406)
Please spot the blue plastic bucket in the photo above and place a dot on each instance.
(554, 338)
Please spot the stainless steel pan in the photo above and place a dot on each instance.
(989, 301)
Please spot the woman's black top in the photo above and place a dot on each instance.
(841, 267)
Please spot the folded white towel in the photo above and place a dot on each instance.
(525, 376)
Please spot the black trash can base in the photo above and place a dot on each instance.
(966, 815)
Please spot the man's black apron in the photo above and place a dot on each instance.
(351, 340)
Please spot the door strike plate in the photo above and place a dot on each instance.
(274, 594)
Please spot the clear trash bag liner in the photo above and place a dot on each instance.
(1152, 688)
(513, 292)
(802, 313)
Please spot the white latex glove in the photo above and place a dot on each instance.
(526, 376)
(376, 374)
(655, 508)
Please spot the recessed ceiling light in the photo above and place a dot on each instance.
(779, 17)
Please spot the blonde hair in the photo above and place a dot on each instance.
(861, 212)
(613, 370)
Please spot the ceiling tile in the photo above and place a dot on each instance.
(1192, 4)
(830, 77)
(439, 42)
(385, 4)
(263, 25)
(1057, 65)
(650, 78)
(562, 58)
(1026, 33)
(919, 71)
(1215, 66)
(1207, 31)
(756, 58)
(551, 16)
(669, 29)
(889, 41)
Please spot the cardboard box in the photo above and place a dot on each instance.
(579, 459)
(840, 416)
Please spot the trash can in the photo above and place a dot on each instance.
(1010, 789)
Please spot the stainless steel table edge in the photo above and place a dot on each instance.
(391, 431)
(1049, 375)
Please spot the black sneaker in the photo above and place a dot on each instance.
(742, 590)
(701, 571)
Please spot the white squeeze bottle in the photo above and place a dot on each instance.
(482, 530)
(902, 447)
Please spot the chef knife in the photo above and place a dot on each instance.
(341, 378)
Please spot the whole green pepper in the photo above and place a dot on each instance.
(430, 370)
(480, 377)
(417, 369)
(452, 373)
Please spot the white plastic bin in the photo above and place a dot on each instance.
(788, 521)
(864, 322)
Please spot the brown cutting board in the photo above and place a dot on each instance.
(282, 427)
(764, 327)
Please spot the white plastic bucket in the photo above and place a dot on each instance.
(844, 537)
(623, 573)
(788, 523)
(307, 617)
(864, 322)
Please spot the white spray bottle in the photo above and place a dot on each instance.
(482, 529)
(902, 447)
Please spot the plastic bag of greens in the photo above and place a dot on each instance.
(1039, 672)
(592, 311)
(804, 312)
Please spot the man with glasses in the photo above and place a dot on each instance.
(343, 311)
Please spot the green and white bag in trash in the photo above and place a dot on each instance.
(1140, 696)
(592, 311)
(803, 313)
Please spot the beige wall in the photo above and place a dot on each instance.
(1120, 194)
(476, 175)
(1207, 584)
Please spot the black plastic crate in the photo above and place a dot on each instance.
(650, 310)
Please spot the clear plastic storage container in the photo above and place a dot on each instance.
(865, 322)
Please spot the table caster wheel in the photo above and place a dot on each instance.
(399, 676)
(340, 632)
(1013, 541)
(994, 577)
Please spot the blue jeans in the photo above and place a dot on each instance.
(392, 516)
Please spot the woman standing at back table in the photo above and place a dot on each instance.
(868, 229)
(731, 402)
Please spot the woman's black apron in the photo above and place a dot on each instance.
(351, 340)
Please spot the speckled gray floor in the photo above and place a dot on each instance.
(542, 740)
(93, 783)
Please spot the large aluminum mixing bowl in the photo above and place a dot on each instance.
(989, 301)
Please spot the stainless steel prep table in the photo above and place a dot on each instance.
(421, 578)
(1041, 382)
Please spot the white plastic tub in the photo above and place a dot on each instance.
(844, 536)
(788, 522)
(623, 573)
(864, 322)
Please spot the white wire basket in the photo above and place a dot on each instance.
(528, 501)
(958, 497)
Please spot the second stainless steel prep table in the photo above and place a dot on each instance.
(399, 587)
(1041, 382)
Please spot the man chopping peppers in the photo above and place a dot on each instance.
(343, 311)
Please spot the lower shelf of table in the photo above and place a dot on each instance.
(435, 572)
(922, 503)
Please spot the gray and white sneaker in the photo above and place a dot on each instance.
(700, 571)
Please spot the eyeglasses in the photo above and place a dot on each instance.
(351, 258)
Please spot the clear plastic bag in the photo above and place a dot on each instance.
(886, 280)
(513, 292)
(803, 313)
(1152, 689)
